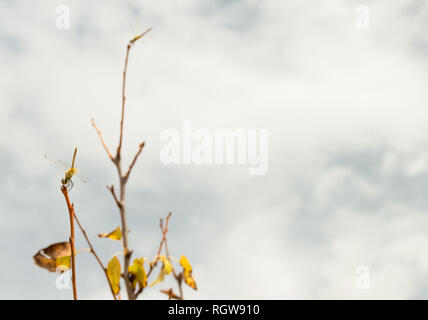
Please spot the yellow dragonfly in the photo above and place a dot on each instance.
(69, 171)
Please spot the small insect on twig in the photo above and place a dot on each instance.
(66, 181)
(69, 171)
(140, 36)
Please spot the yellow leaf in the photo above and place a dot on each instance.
(159, 279)
(113, 273)
(187, 272)
(166, 269)
(167, 266)
(138, 273)
(190, 282)
(116, 234)
(63, 262)
(55, 256)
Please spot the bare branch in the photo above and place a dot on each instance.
(178, 277)
(163, 240)
(165, 230)
(128, 48)
(120, 200)
(119, 147)
(102, 140)
(111, 188)
(126, 176)
(171, 295)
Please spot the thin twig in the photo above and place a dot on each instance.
(111, 188)
(162, 242)
(119, 147)
(94, 253)
(134, 160)
(164, 232)
(171, 295)
(102, 139)
(71, 239)
(178, 277)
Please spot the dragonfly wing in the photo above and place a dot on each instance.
(61, 164)
(81, 177)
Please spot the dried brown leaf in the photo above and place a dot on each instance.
(54, 257)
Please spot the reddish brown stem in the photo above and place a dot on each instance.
(71, 239)
(92, 250)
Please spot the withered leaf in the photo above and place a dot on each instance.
(43, 262)
(55, 257)
(116, 234)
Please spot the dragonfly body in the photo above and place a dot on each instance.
(66, 181)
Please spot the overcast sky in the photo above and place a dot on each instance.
(346, 111)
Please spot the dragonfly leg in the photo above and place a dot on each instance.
(70, 185)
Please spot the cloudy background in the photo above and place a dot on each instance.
(346, 111)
